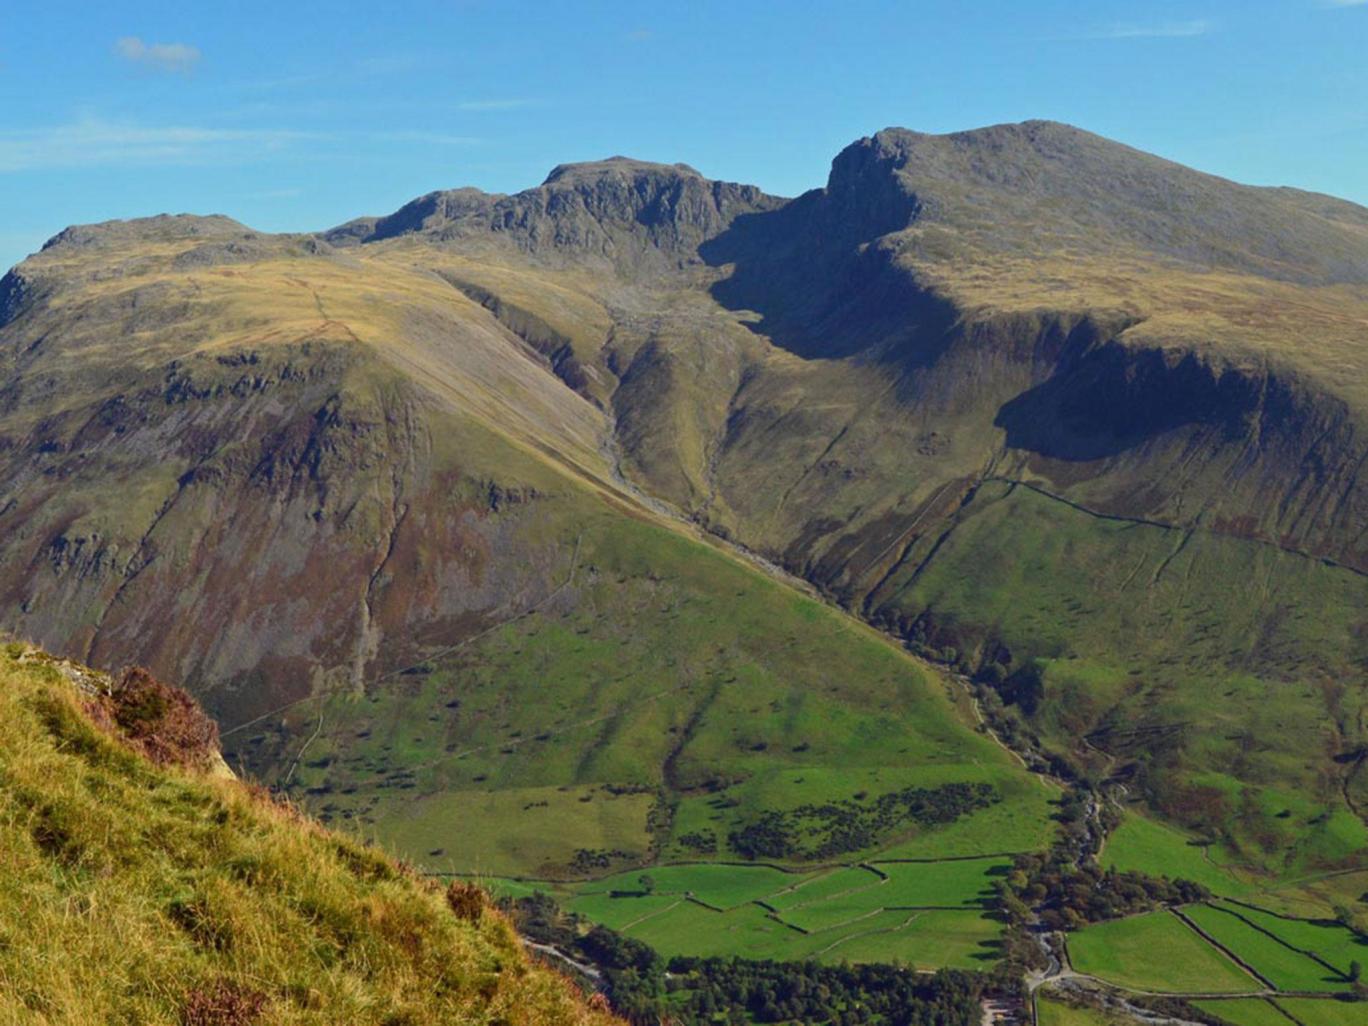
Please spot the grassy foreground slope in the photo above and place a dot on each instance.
(132, 892)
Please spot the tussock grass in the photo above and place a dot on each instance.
(137, 893)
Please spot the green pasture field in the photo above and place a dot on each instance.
(876, 938)
(1323, 1012)
(1052, 1012)
(1329, 941)
(837, 911)
(855, 912)
(1155, 952)
(845, 882)
(928, 940)
(924, 940)
(717, 884)
(968, 882)
(1280, 965)
(621, 913)
(691, 929)
(1245, 1012)
(1148, 846)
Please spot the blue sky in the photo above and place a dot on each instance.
(296, 115)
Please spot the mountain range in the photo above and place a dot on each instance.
(667, 497)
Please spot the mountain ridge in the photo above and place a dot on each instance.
(895, 145)
(1034, 422)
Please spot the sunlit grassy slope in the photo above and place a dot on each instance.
(669, 693)
(1227, 669)
(136, 893)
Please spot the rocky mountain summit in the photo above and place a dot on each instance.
(616, 213)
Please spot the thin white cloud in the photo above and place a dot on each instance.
(484, 105)
(91, 142)
(158, 56)
(1160, 30)
(427, 138)
(389, 64)
(1344, 3)
(95, 142)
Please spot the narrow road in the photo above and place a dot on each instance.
(561, 956)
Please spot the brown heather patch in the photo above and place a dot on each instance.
(158, 719)
(222, 1003)
(466, 900)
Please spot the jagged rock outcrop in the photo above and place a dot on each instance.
(634, 217)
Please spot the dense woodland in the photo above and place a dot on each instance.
(1067, 897)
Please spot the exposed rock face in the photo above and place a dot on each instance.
(1107, 397)
(616, 213)
(257, 509)
(291, 527)
(12, 296)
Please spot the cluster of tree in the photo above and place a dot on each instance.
(702, 841)
(1023, 687)
(587, 860)
(645, 988)
(837, 828)
(1357, 922)
(1020, 950)
(736, 990)
(1065, 895)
